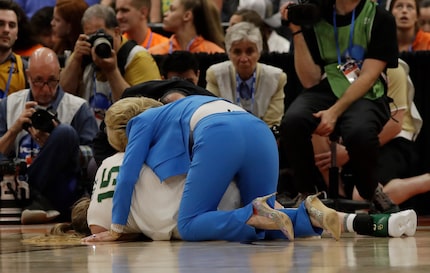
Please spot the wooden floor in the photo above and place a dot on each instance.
(353, 253)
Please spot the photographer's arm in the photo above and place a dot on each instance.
(110, 69)
(8, 139)
(71, 75)
(307, 71)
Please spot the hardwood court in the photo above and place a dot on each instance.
(353, 253)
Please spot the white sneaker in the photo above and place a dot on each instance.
(402, 223)
(411, 221)
(38, 216)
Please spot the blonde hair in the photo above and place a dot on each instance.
(118, 115)
(67, 233)
(79, 224)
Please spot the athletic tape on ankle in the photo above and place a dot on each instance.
(349, 222)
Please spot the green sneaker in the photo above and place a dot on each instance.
(395, 224)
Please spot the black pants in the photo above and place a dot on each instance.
(55, 171)
(358, 126)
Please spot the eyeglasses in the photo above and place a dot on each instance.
(50, 83)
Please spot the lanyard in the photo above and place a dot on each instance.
(93, 101)
(336, 35)
(238, 98)
(187, 48)
(148, 44)
(6, 91)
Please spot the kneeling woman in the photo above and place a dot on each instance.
(213, 142)
(308, 219)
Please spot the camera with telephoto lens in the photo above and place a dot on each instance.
(306, 12)
(102, 43)
(42, 120)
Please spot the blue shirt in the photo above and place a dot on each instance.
(31, 6)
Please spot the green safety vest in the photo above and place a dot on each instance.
(327, 46)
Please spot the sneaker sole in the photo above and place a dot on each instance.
(402, 223)
(411, 222)
(38, 216)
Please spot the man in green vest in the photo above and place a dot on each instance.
(340, 59)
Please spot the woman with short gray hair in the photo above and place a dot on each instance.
(256, 87)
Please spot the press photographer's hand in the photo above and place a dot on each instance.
(284, 16)
(25, 116)
(82, 47)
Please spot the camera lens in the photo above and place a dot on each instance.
(102, 47)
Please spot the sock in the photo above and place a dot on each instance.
(363, 224)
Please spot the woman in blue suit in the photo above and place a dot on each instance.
(213, 142)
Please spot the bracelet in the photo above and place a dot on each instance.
(295, 33)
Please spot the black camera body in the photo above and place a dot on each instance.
(306, 12)
(42, 120)
(102, 43)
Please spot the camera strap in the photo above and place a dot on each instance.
(123, 53)
(336, 36)
(9, 78)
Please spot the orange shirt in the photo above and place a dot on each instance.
(151, 39)
(198, 44)
(27, 52)
(422, 41)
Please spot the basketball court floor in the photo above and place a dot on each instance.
(24, 249)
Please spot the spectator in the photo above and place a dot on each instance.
(195, 25)
(53, 151)
(251, 16)
(66, 24)
(271, 21)
(344, 92)
(12, 66)
(409, 35)
(398, 155)
(26, 42)
(257, 87)
(104, 78)
(180, 64)
(159, 7)
(41, 27)
(132, 16)
(424, 15)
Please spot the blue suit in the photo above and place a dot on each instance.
(225, 146)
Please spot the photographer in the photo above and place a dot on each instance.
(103, 63)
(340, 56)
(47, 128)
